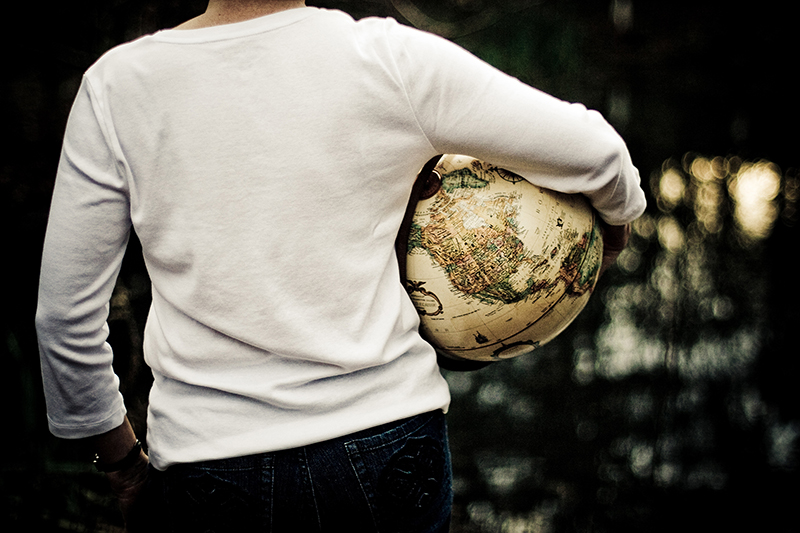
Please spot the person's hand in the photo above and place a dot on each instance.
(127, 486)
(615, 238)
(127, 479)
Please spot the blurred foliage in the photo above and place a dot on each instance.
(670, 402)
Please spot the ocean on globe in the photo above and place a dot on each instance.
(497, 266)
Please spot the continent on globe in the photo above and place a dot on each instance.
(497, 266)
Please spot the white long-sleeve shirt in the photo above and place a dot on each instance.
(266, 166)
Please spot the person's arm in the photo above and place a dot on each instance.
(465, 106)
(615, 239)
(87, 234)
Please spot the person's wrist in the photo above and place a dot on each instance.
(126, 462)
(615, 238)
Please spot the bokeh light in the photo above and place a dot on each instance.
(713, 190)
(705, 309)
(754, 190)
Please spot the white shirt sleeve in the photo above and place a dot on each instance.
(86, 238)
(466, 106)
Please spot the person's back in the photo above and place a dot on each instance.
(266, 185)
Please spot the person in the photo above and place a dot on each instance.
(264, 153)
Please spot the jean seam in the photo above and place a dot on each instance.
(268, 474)
(353, 450)
(307, 468)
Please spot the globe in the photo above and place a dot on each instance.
(495, 265)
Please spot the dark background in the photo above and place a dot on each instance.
(669, 404)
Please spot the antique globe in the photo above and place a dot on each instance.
(495, 265)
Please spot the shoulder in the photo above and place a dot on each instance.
(120, 58)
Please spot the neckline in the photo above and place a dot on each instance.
(234, 30)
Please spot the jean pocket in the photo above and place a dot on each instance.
(212, 502)
(407, 481)
(413, 477)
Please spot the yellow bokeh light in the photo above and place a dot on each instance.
(671, 188)
(670, 234)
(707, 206)
(702, 170)
(644, 226)
(709, 185)
(791, 195)
(754, 191)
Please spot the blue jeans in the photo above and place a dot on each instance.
(392, 478)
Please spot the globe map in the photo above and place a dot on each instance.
(497, 266)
